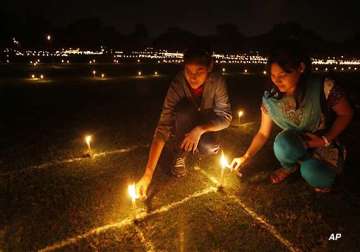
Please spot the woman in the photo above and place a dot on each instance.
(302, 105)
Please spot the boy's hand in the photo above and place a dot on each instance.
(142, 186)
(191, 140)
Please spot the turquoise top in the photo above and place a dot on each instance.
(304, 118)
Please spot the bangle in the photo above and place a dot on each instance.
(326, 141)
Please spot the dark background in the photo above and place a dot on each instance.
(328, 26)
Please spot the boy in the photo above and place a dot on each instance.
(196, 105)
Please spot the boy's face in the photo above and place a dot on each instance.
(196, 74)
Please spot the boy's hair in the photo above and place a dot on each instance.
(197, 55)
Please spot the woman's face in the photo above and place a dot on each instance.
(286, 82)
(196, 74)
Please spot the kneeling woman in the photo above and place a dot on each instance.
(311, 111)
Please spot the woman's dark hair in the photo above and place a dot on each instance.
(289, 55)
(198, 55)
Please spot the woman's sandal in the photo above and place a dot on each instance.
(281, 174)
(322, 190)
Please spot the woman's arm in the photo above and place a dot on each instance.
(261, 136)
(344, 114)
(257, 142)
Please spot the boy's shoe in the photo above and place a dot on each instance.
(178, 168)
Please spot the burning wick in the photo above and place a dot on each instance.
(88, 141)
(240, 114)
(224, 164)
(132, 194)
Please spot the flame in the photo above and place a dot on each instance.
(132, 192)
(223, 161)
(88, 139)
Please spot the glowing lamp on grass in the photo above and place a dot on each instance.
(88, 140)
(156, 73)
(132, 193)
(240, 114)
(224, 164)
(139, 73)
(102, 75)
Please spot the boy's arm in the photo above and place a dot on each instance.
(222, 109)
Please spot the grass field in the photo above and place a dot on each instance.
(52, 198)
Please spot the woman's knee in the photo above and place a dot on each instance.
(317, 173)
(289, 147)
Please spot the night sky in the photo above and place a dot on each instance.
(333, 20)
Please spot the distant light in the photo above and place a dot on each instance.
(94, 72)
(48, 37)
(316, 68)
(223, 69)
(156, 73)
(264, 72)
(33, 76)
(62, 61)
(68, 61)
(245, 70)
(138, 61)
(139, 73)
(41, 76)
(102, 75)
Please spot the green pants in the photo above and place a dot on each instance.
(289, 149)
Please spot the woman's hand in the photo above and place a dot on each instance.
(191, 140)
(313, 141)
(238, 162)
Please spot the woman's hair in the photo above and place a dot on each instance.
(198, 55)
(289, 55)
